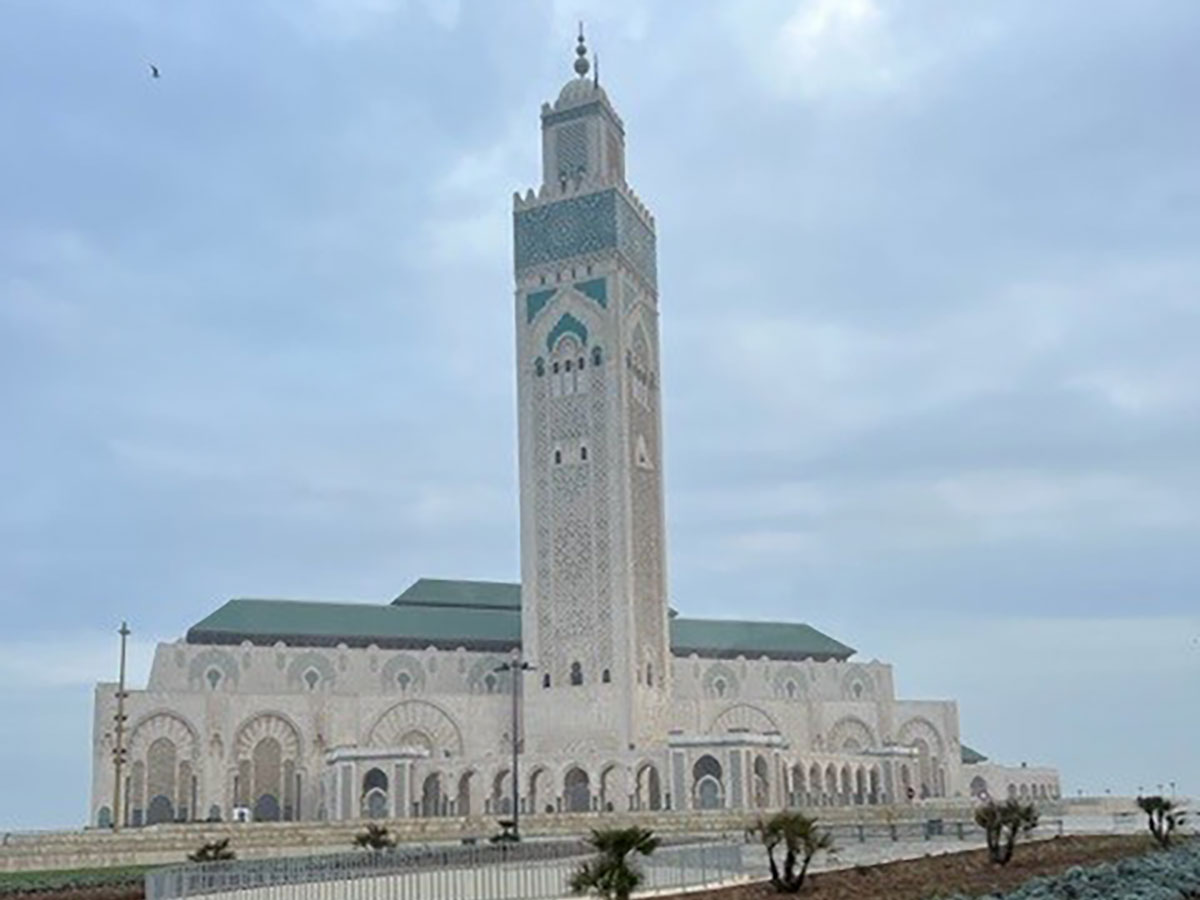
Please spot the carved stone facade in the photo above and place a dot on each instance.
(292, 712)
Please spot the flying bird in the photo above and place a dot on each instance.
(153, 70)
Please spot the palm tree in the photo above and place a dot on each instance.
(612, 874)
(1002, 822)
(801, 839)
(1164, 817)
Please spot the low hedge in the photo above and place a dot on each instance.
(57, 880)
(1159, 875)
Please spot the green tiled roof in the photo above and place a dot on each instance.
(477, 615)
(729, 638)
(441, 592)
(970, 756)
(357, 625)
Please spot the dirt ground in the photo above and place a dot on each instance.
(967, 873)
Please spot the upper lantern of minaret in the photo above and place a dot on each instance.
(583, 138)
(584, 205)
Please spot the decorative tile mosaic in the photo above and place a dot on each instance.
(588, 223)
(566, 228)
(596, 288)
(566, 324)
(637, 242)
(535, 302)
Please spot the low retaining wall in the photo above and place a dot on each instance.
(165, 844)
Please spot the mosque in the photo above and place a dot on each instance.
(282, 710)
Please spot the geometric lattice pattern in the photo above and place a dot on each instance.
(571, 149)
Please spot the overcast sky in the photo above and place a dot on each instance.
(930, 306)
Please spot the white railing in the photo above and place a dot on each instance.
(532, 871)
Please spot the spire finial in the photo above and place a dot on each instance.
(581, 63)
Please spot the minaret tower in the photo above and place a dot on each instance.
(593, 555)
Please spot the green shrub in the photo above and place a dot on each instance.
(213, 851)
(1170, 875)
(375, 837)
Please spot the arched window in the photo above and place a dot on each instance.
(312, 678)
(403, 680)
(489, 683)
(576, 673)
(558, 457)
(546, 680)
(606, 676)
(539, 367)
(597, 356)
(213, 676)
(583, 454)
(568, 356)
(719, 687)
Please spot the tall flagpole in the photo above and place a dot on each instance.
(119, 748)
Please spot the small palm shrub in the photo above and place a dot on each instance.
(374, 837)
(800, 838)
(1163, 818)
(612, 874)
(213, 851)
(1002, 823)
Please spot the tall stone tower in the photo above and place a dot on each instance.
(593, 555)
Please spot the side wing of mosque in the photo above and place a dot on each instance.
(287, 710)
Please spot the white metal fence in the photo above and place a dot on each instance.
(532, 871)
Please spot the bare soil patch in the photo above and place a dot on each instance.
(970, 872)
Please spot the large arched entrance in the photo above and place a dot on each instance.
(577, 791)
(708, 790)
(649, 788)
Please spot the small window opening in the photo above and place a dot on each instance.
(606, 676)
(214, 678)
(403, 680)
(579, 362)
(558, 457)
(554, 368)
(311, 678)
(568, 365)
(583, 454)
(546, 680)
(649, 675)
(597, 356)
(576, 673)
(539, 367)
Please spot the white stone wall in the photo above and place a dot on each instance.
(988, 780)
(829, 733)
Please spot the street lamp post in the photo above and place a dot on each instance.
(516, 666)
(119, 742)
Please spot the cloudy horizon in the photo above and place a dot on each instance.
(930, 301)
